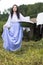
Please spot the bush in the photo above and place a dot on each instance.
(1, 27)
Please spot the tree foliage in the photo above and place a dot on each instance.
(27, 10)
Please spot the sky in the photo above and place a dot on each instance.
(5, 4)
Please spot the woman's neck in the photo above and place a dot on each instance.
(14, 12)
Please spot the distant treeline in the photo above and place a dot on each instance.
(27, 10)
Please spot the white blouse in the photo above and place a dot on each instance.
(15, 19)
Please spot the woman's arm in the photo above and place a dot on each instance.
(25, 19)
(7, 24)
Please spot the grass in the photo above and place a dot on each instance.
(31, 53)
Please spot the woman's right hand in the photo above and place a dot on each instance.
(4, 26)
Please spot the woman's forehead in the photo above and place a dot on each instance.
(15, 6)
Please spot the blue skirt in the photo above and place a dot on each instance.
(12, 37)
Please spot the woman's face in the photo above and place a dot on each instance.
(14, 8)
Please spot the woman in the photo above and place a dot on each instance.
(12, 30)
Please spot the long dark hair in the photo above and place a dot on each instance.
(17, 12)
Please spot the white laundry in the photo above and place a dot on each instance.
(39, 18)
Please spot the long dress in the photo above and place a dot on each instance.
(12, 34)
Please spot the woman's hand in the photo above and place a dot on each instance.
(4, 26)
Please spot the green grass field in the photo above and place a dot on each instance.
(31, 53)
